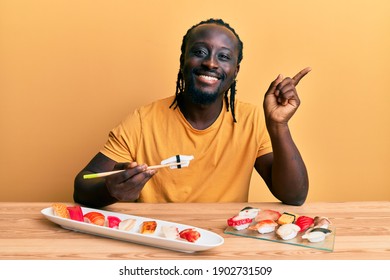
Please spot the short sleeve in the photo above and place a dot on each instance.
(123, 140)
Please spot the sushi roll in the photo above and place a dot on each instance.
(264, 226)
(287, 218)
(239, 222)
(267, 214)
(288, 231)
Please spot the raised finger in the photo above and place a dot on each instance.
(300, 75)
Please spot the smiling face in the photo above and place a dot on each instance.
(210, 63)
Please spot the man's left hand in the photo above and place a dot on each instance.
(281, 99)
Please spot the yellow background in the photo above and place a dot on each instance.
(71, 70)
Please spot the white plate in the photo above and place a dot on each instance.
(206, 241)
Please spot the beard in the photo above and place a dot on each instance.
(201, 97)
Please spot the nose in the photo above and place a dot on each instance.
(210, 62)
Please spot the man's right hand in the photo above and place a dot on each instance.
(127, 185)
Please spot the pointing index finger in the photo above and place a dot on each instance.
(301, 74)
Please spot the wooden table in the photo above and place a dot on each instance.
(363, 232)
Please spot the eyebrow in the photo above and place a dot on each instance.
(204, 43)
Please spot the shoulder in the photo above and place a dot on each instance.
(159, 107)
(160, 103)
(151, 110)
(247, 110)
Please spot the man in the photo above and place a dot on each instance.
(226, 137)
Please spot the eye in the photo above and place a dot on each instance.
(199, 52)
(224, 57)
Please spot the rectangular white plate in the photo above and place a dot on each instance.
(206, 241)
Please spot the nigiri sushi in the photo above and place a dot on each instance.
(304, 222)
(321, 222)
(60, 210)
(148, 227)
(287, 231)
(95, 218)
(189, 234)
(287, 218)
(113, 222)
(76, 213)
(249, 212)
(170, 232)
(127, 224)
(239, 222)
(264, 226)
(267, 214)
(316, 234)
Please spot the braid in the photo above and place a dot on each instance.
(232, 99)
(180, 79)
(179, 89)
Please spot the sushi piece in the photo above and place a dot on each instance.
(249, 212)
(304, 222)
(264, 226)
(239, 222)
(148, 227)
(323, 230)
(288, 231)
(316, 234)
(267, 215)
(113, 222)
(321, 222)
(170, 232)
(127, 224)
(190, 234)
(95, 218)
(60, 210)
(76, 213)
(287, 218)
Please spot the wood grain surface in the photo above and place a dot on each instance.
(363, 232)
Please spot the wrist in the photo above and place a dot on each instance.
(277, 128)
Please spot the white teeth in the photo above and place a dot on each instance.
(208, 78)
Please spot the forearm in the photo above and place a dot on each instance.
(289, 175)
(91, 192)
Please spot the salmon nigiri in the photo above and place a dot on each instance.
(95, 218)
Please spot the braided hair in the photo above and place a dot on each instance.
(180, 79)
